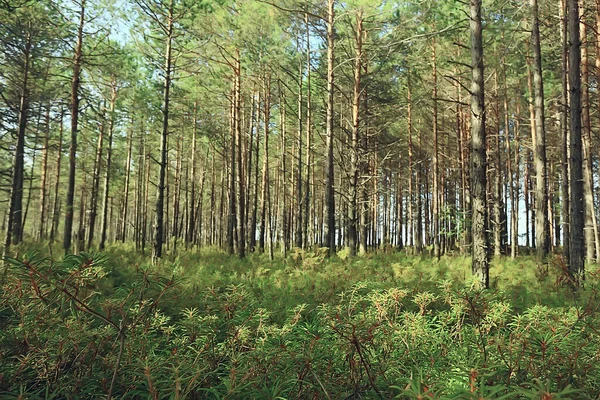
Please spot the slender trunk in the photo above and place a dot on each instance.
(497, 188)
(541, 186)
(96, 183)
(159, 227)
(480, 252)
(577, 248)
(514, 251)
(299, 182)
(111, 128)
(265, 169)
(125, 210)
(355, 152)
(306, 200)
(14, 232)
(56, 201)
(77, 61)
(436, 166)
(241, 210)
(44, 177)
(329, 179)
(231, 177)
(586, 132)
(411, 216)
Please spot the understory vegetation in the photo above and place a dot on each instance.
(204, 324)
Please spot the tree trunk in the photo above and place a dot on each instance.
(111, 128)
(96, 182)
(241, 211)
(436, 166)
(14, 232)
(577, 247)
(44, 177)
(265, 169)
(160, 190)
(306, 201)
(125, 210)
(479, 220)
(586, 132)
(77, 61)
(542, 227)
(355, 152)
(56, 201)
(329, 179)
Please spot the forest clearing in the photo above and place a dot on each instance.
(298, 199)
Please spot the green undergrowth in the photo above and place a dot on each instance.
(202, 324)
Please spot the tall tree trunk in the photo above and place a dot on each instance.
(514, 249)
(96, 182)
(497, 183)
(479, 219)
(77, 61)
(436, 167)
(411, 215)
(44, 177)
(299, 182)
(241, 210)
(329, 178)
(586, 132)
(125, 210)
(577, 247)
(564, 129)
(56, 200)
(265, 169)
(355, 152)
(231, 214)
(111, 128)
(160, 190)
(14, 232)
(542, 227)
(306, 200)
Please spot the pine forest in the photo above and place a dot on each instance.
(300, 199)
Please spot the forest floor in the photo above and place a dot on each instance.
(203, 324)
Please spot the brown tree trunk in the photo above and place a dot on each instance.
(14, 232)
(586, 132)
(44, 177)
(355, 152)
(111, 128)
(577, 247)
(542, 227)
(96, 182)
(329, 178)
(306, 201)
(77, 61)
(159, 224)
(123, 233)
(436, 167)
(265, 169)
(479, 219)
(56, 200)
(241, 210)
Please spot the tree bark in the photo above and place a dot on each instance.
(160, 190)
(542, 227)
(111, 128)
(577, 247)
(479, 219)
(77, 62)
(586, 132)
(329, 178)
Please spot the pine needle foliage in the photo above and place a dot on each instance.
(206, 325)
